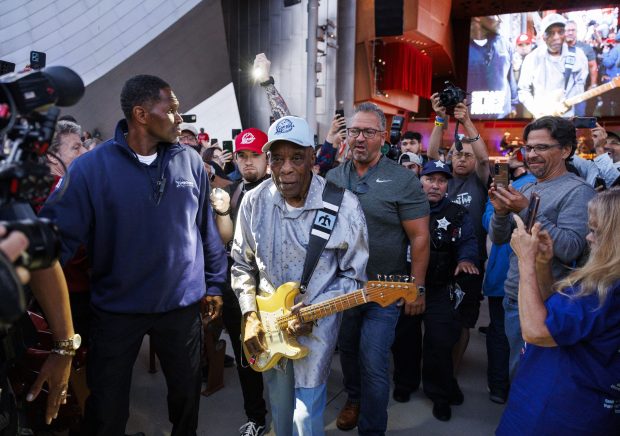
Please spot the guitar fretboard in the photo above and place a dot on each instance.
(591, 93)
(333, 305)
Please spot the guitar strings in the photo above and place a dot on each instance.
(283, 321)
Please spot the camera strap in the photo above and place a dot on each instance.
(321, 230)
(458, 145)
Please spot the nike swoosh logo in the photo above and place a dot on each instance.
(382, 181)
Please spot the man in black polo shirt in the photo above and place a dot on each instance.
(396, 213)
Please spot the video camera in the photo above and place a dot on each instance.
(28, 115)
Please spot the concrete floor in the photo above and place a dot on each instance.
(222, 413)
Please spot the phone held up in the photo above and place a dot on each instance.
(340, 113)
(500, 176)
(532, 211)
(584, 122)
(37, 60)
(227, 146)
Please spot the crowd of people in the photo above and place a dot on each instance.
(163, 231)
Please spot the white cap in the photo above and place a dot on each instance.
(189, 128)
(411, 157)
(289, 128)
(550, 20)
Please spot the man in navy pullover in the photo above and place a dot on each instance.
(140, 203)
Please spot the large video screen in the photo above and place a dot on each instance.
(531, 64)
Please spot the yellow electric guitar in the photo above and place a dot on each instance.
(275, 314)
(553, 103)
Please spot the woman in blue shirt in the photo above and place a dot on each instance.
(568, 380)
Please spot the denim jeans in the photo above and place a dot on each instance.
(366, 336)
(295, 411)
(513, 333)
(498, 350)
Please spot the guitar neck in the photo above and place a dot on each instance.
(591, 93)
(333, 305)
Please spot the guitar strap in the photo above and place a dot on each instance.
(569, 63)
(321, 230)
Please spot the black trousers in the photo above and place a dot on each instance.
(498, 350)
(250, 380)
(433, 353)
(115, 341)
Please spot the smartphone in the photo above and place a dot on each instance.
(532, 211)
(189, 118)
(37, 60)
(584, 122)
(6, 67)
(501, 174)
(235, 132)
(340, 113)
(213, 141)
(227, 146)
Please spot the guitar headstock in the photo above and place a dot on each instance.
(389, 289)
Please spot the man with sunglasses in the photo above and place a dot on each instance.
(563, 212)
(552, 72)
(396, 212)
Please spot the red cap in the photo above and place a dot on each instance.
(251, 139)
(524, 38)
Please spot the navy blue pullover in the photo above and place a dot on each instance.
(150, 252)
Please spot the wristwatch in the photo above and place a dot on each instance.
(421, 290)
(269, 81)
(67, 347)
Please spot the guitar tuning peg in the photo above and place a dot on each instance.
(399, 278)
(379, 277)
(391, 277)
(405, 279)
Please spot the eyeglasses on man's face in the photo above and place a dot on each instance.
(462, 155)
(354, 132)
(538, 148)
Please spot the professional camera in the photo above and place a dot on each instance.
(27, 122)
(451, 96)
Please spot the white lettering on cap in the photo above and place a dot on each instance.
(247, 138)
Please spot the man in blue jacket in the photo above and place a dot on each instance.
(140, 203)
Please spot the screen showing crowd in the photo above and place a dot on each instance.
(530, 64)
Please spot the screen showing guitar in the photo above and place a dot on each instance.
(536, 63)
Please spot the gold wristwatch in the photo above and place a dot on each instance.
(67, 347)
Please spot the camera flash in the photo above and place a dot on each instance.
(256, 73)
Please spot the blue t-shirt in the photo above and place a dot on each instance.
(573, 388)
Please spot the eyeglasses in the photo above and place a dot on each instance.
(459, 155)
(538, 148)
(187, 138)
(354, 132)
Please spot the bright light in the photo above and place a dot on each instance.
(256, 73)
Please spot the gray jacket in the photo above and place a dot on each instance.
(563, 213)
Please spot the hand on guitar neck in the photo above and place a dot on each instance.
(295, 326)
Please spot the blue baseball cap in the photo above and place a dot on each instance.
(436, 166)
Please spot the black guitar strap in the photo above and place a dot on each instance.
(321, 230)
